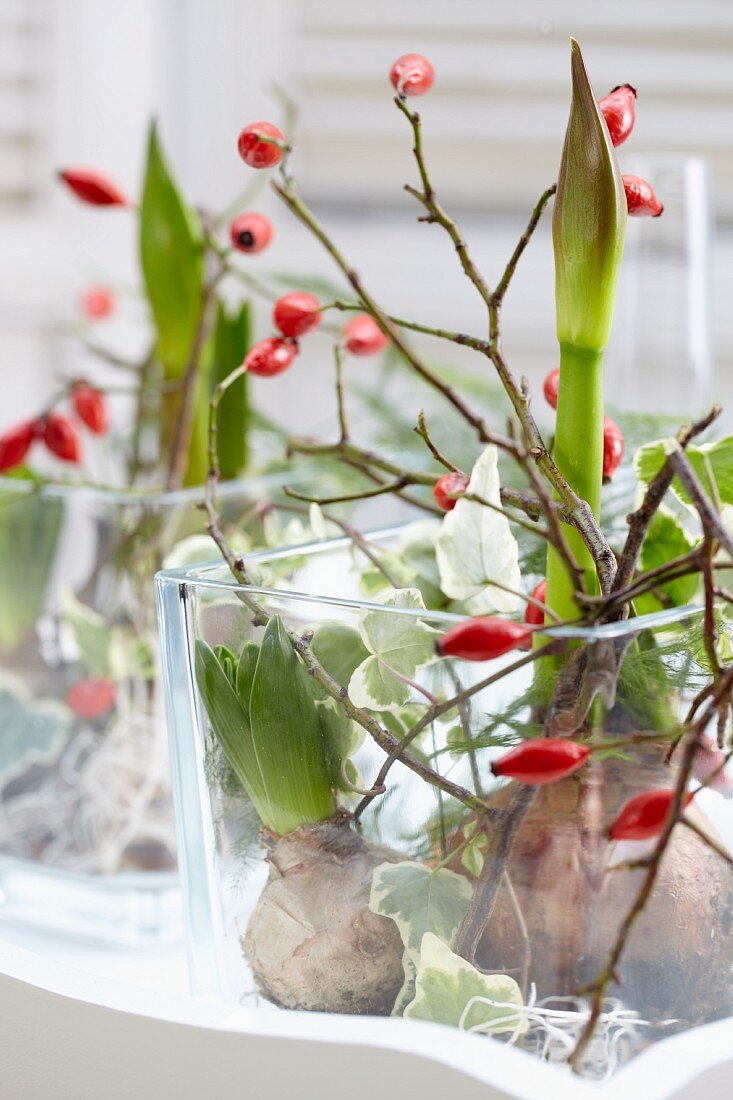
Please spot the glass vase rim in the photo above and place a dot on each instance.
(193, 494)
(200, 575)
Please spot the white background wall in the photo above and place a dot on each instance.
(80, 78)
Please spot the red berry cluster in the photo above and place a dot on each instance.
(619, 110)
(58, 433)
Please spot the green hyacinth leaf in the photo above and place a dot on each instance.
(30, 525)
(171, 253)
(287, 736)
(230, 343)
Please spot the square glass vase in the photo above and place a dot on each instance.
(87, 836)
(378, 866)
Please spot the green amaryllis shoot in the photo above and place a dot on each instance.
(588, 230)
(312, 941)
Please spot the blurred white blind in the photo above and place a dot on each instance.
(24, 30)
(495, 123)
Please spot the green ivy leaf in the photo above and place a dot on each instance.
(712, 462)
(399, 645)
(171, 254)
(665, 540)
(476, 546)
(446, 984)
(420, 900)
(340, 650)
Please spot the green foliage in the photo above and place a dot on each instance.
(712, 462)
(31, 732)
(230, 342)
(420, 900)
(664, 541)
(284, 746)
(476, 546)
(398, 645)
(171, 255)
(446, 984)
(30, 524)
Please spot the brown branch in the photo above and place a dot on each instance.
(640, 520)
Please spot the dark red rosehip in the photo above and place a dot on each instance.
(551, 387)
(61, 437)
(269, 357)
(363, 336)
(445, 488)
(644, 817)
(91, 408)
(92, 187)
(412, 74)
(613, 447)
(641, 200)
(97, 303)
(15, 445)
(534, 615)
(483, 639)
(619, 110)
(258, 153)
(297, 313)
(250, 232)
(541, 762)
(91, 699)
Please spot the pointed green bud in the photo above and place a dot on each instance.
(589, 221)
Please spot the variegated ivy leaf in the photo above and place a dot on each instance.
(407, 992)
(105, 650)
(31, 731)
(420, 900)
(448, 990)
(712, 462)
(398, 644)
(476, 546)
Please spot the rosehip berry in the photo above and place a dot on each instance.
(541, 762)
(269, 357)
(412, 74)
(15, 445)
(258, 153)
(250, 232)
(644, 816)
(640, 198)
(551, 387)
(619, 110)
(91, 408)
(483, 639)
(445, 486)
(297, 313)
(61, 437)
(363, 336)
(710, 770)
(92, 187)
(613, 447)
(535, 616)
(97, 303)
(91, 699)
